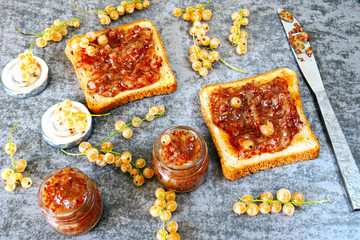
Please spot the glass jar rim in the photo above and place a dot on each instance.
(48, 177)
(198, 161)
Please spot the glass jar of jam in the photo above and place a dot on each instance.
(70, 201)
(180, 159)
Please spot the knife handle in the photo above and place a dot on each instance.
(346, 162)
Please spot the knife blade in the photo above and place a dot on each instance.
(349, 172)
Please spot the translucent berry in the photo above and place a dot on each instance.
(10, 148)
(186, 16)
(16, 177)
(75, 45)
(239, 208)
(117, 161)
(146, 4)
(242, 41)
(252, 209)
(6, 173)
(235, 102)
(84, 42)
(126, 167)
(165, 215)
(90, 50)
(165, 139)
(26, 182)
(244, 21)
(161, 234)
(247, 199)
(109, 158)
(161, 109)
(160, 203)
(243, 34)
(106, 146)
(192, 31)
(63, 31)
(105, 20)
(194, 49)
(80, 127)
(246, 12)
(134, 172)
(160, 193)
(40, 42)
(139, 6)
(197, 24)
(275, 207)
(196, 65)
(214, 43)
(177, 12)
(92, 154)
(10, 185)
(138, 180)
(171, 206)
(155, 211)
(283, 195)
(266, 196)
(130, 8)
(149, 117)
(194, 57)
(172, 227)
(206, 14)
(235, 16)
(205, 41)
(148, 172)
(233, 38)
(214, 56)
(119, 125)
(91, 36)
(203, 71)
(140, 163)
(20, 165)
(127, 133)
(297, 197)
(136, 122)
(288, 209)
(121, 10)
(196, 16)
(234, 30)
(173, 236)
(100, 161)
(264, 208)
(126, 157)
(241, 49)
(114, 15)
(102, 39)
(170, 195)
(109, 9)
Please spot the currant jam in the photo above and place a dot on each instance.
(181, 163)
(128, 61)
(70, 202)
(264, 120)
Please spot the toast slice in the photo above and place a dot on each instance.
(100, 104)
(304, 145)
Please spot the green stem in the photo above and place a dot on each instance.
(12, 130)
(198, 51)
(72, 154)
(202, 6)
(95, 11)
(126, 127)
(13, 163)
(56, 27)
(229, 64)
(278, 201)
(32, 168)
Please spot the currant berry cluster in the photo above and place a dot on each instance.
(202, 59)
(163, 206)
(13, 176)
(54, 33)
(29, 67)
(285, 201)
(237, 36)
(71, 118)
(123, 161)
(113, 13)
(196, 13)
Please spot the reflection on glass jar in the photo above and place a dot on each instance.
(70, 202)
(180, 159)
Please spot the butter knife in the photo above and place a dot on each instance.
(349, 172)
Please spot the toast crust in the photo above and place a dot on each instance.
(99, 104)
(304, 146)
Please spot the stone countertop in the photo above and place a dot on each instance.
(207, 212)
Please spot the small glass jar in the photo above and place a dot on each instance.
(70, 202)
(187, 166)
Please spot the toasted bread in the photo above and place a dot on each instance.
(100, 104)
(304, 145)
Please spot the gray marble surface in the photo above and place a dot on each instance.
(205, 213)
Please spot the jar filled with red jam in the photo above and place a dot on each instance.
(70, 201)
(180, 159)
